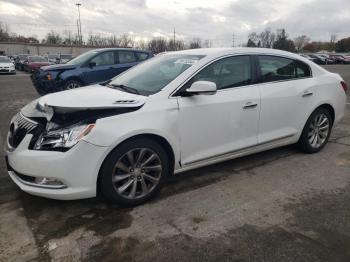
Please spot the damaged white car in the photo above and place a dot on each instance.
(175, 112)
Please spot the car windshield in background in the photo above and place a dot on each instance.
(36, 59)
(22, 57)
(82, 58)
(5, 60)
(53, 56)
(151, 76)
(66, 56)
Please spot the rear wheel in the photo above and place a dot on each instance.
(134, 172)
(316, 132)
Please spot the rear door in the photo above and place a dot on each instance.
(287, 91)
(213, 125)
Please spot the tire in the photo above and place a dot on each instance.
(72, 84)
(122, 180)
(316, 131)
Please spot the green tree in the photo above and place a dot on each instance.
(283, 43)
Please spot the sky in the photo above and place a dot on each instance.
(220, 21)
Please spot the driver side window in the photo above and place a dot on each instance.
(228, 72)
(105, 58)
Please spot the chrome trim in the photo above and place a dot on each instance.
(13, 174)
(238, 150)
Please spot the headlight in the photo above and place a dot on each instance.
(63, 139)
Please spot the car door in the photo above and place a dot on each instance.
(99, 68)
(214, 125)
(287, 92)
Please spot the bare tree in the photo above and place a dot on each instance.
(157, 45)
(126, 40)
(253, 39)
(195, 43)
(333, 38)
(4, 32)
(266, 38)
(207, 43)
(300, 42)
(53, 37)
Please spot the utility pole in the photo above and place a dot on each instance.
(174, 40)
(233, 40)
(80, 35)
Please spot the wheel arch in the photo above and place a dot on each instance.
(159, 139)
(76, 78)
(325, 105)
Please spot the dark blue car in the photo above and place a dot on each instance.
(92, 67)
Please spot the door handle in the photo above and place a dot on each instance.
(307, 93)
(250, 105)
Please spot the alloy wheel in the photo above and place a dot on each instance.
(137, 173)
(318, 130)
(72, 85)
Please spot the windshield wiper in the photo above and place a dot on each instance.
(126, 88)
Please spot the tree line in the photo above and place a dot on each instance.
(267, 39)
(281, 40)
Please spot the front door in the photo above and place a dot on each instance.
(214, 125)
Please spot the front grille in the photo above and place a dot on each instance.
(20, 126)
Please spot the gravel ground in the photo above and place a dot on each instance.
(279, 205)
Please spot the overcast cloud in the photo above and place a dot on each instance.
(214, 20)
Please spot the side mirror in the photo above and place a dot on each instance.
(92, 64)
(202, 88)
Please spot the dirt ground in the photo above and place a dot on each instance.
(279, 205)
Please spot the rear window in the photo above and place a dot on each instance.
(274, 68)
(141, 56)
(126, 57)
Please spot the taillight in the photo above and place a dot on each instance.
(344, 85)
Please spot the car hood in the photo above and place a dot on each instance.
(5, 64)
(89, 97)
(58, 67)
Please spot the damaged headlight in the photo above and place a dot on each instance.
(63, 139)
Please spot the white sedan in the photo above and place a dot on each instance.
(175, 112)
(6, 65)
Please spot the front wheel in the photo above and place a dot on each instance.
(316, 132)
(134, 172)
(72, 84)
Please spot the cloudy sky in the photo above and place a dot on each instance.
(215, 20)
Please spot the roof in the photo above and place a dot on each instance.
(118, 49)
(235, 50)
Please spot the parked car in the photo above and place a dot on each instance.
(64, 58)
(327, 58)
(308, 57)
(170, 114)
(33, 63)
(20, 61)
(318, 59)
(6, 65)
(91, 67)
(52, 58)
(340, 59)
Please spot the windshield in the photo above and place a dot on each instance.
(82, 58)
(36, 59)
(5, 60)
(22, 57)
(151, 76)
(53, 56)
(66, 56)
